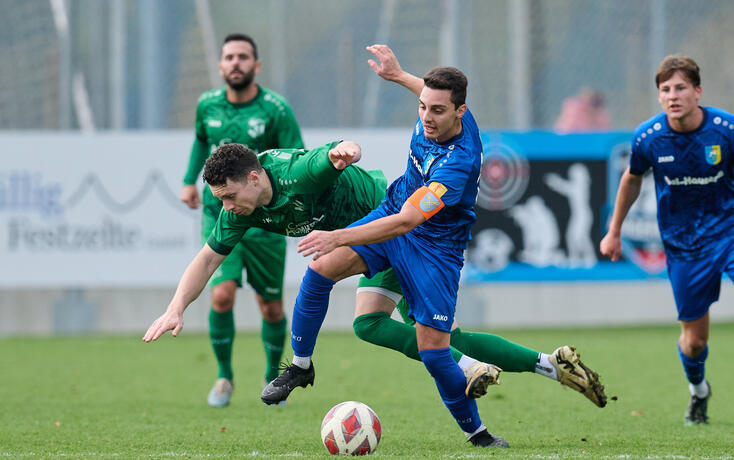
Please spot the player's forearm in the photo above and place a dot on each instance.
(199, 154)
(376, 231)
(629, 190)
(383, 229)
(195, 278)
(410, 81)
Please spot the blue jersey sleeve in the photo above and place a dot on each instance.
(453, 172)
(639, 162)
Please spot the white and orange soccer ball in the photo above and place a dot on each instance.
(351, 428)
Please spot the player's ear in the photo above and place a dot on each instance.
(253, 177)
(461, 111)
(257, 67)
(219, 66)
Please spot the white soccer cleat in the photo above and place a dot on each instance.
(220, 393)
(574, 374)
(479, 376)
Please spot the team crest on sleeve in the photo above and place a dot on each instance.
(437, 188)
(713, 154)
(429, 202)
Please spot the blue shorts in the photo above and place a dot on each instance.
(428, 273)
(697, 283)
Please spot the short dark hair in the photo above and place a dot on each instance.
(240, 38)
(449, 78)
(230, 161)
(678, 63)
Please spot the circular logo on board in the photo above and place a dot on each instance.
(503, 179)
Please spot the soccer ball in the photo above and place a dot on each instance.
(351, 428)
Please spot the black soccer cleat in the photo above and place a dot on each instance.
(485, 439)
(292, 377)
(696, 412)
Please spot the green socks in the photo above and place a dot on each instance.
(380, 329)
(221, 333)
(493, 349)
(273, 337)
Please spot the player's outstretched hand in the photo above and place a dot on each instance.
(190, 196)
(344, 154)
(611, 246)
(169, 321)
(388, 67)
(318, 243)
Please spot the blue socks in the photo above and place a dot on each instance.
(695, 367)
(309, 312)
(451, 384)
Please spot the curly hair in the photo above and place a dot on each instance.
(449, 78)
(230, 161)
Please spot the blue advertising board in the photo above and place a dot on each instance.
(543, 205)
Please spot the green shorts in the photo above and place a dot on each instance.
(260, 253)
(387, 284)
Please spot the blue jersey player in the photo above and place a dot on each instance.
(691, 152)
(421, 230)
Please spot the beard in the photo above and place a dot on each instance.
(244, 82)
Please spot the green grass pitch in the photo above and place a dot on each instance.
(102, 397)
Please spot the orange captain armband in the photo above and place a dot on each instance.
(428, 199)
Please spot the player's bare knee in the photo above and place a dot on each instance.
(341, 263)
(693, 346)
(325, 267)
(223, 297)
(272, 310)
(429, 338)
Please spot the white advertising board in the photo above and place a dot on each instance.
(104, 209)
(94, 210)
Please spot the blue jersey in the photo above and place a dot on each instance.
(694, 181)
(455, 164)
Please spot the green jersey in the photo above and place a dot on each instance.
(266, 122)
(308, 194)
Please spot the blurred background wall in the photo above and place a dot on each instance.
(89, 67)
(140, 64)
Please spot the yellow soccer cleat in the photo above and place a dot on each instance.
(479, 376)
(573, 373)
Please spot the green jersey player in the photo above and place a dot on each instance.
(293, 192)
(245, 113)
(306, 192)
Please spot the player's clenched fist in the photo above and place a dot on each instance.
(344, 154)
(611, 246)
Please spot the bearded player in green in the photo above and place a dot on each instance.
(295, 191)
(245, 113)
